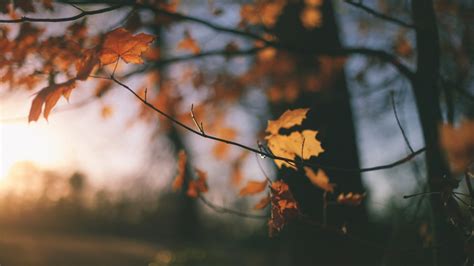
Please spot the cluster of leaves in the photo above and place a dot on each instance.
(284, 207)
(119, 44)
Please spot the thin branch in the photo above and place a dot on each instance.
(221, 209)
(261, 152)
(377, 14)
(405, 137)
(64, 19)
(382, 55)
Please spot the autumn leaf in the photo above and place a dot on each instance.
(120, 43)
(320, 179)
(351, 199)
(458, 143)
(48, 97)
(284, 207)
(253, 187)
(262, 203)
(85, 66)
(302, 144)
(288, 119)
(189, 43)
(199, 185)
(179, 179)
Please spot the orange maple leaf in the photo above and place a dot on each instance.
(120, 43)
(253, 187)
(48, 97)
(288, 119)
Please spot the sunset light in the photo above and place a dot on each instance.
(236, 132)
(23, 142)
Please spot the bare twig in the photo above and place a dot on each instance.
(259, 151)
(377, 14)
(221, 209)
(201, 129)
(64, 19)
(405, 137)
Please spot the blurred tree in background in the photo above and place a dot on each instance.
(231, 86)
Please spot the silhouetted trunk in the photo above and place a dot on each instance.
(449, 247)
(187, 222)
(331, 115)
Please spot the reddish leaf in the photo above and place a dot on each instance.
(284, 207)
(48, 97)
(120, 43)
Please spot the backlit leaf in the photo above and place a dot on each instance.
(48, 97)
(120, 43)
(288, 119)
(302, 144)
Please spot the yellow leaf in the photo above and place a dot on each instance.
(320, 179)
(120, 43)
(288, 119)
(302, 144)
(253, 187)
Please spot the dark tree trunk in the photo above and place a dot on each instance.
(449, 247)
(331, 115)
(187, 221)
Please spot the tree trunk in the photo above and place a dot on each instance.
(331, 115)
(448, 247)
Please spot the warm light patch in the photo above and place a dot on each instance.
(23, 142)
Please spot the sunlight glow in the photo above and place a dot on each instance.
(26, 142)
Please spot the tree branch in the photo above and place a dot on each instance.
(64, 19)
(221, 209)
(377, 14)
(261, 152)
(382, 55)
(405, 137)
